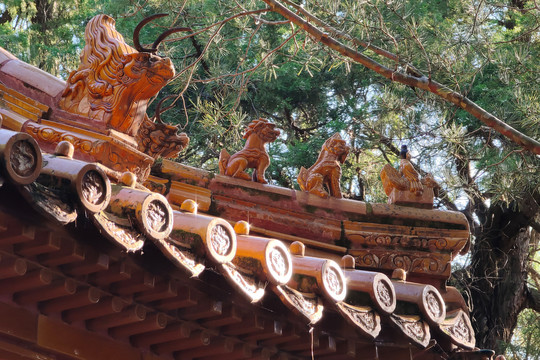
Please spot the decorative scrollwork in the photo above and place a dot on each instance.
(406, 242)
(51, 202)
(412, 262)
(121, 233)
(414, 328)
(458, 327)
(248, 285)
(23, 158)
(306, 304)
(220, 240)
(400, 261)
(433, 304)
(53, 136)
(461, 330)
(157, 216)
(309, 305)
(365, 319)
(384, 293)
(369, 259)
(93, 187)
(181, 257)
(115, 156)
(278, 262)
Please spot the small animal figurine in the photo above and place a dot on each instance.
(253, 155)
(409, 172)
(326, 172)
(157, 139)
(405, 187)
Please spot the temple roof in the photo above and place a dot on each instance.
(189, 264)
(81, 253)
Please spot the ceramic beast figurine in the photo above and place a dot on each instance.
(253, 155)
(326, 172)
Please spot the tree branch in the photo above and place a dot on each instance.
(419, 82)
(341, 35)
(533, 297)
(535, 225)
(199, 50)
(5, 17)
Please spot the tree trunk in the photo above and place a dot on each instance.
(499, 292)
(497, 281)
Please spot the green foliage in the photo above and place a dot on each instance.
(47, 34)
(526, 341)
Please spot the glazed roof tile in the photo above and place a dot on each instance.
(107, 291)
(89, 255)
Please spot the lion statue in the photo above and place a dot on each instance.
(114, 81)
(253, 155)
(326, 172)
